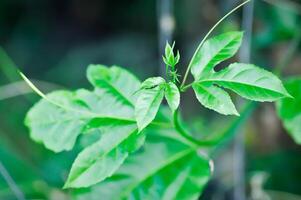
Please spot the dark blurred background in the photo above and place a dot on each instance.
(53, 41)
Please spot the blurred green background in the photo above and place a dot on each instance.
(53, 41)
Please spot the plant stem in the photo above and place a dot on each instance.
(205, 38)
(221, 138)
(186, 135)
(184, 88)
(166, 71)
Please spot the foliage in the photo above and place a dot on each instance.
(289, 109)
(122, 109)
(158, 177)
(145, 156)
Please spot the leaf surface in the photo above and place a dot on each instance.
(172, 95)
(214, 98)
(114, 81)
(168, 171)
(59, 118)
(249, 81)
(214, 51)
(100, 160)
(149, 100)
(57, 127)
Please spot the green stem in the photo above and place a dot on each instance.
(205, 38)
(166, 72)
(184, 88)
(221, 138)
(186, 135)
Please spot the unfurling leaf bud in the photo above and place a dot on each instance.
(170, 59)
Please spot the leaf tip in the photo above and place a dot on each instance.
(31, 85)
(66, 185)
(236, 114)
(288, 95)
(140, 128)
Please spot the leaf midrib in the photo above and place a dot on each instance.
(128, 101)
(209, 92)
(87, 118)
(161, 90)
(116, 145)
(236, 82)
(169, 162)
(87, 114)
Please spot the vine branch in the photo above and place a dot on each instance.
(221, 138)
(249, 107)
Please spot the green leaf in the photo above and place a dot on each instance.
(214, 98)
(57, 127)
(100, 160)
(214, 51)
(61, 116)
(152, 82)
(162, 171)
(289, 109)
(248, 81)
(114, 81)
(172, 95)
(103, 105)
(149, 101)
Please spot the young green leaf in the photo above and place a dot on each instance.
(248, 81)
(100, 160)
(214, 98)
(149, 100)
(170, 59)
(152, 83)
(175, 171)
(114, 81)
(214, 51)
(172, 95)
(289, 110)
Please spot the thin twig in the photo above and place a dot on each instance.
(219, 139)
